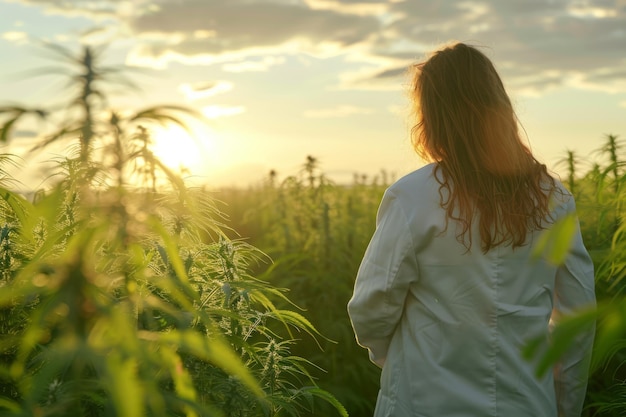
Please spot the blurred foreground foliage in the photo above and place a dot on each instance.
(120, 292)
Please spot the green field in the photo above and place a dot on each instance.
(125, 292)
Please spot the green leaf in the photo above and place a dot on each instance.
(328, 397)
(20, 206)
(299, 321)
(171, 250)
(183, 383)
(124, 386)
(562, 339)
(213, 350)
(611, 332)
(10, 405)
(555, 243)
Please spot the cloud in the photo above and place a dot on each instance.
(258, 65)
(538, 44)
(15, 36)
(99, 34)
(244, 28)
(512, 28)
(96, 9)
(339, 111)
(608, 80)
(202, 90)
(554, 42)
(358, 7)
(376, 78)
(216, 111)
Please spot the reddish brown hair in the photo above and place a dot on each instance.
(467, 125)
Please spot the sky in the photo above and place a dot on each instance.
(279, 80)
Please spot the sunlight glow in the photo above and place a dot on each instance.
(180, 151)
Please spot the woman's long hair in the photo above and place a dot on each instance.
(466, 124)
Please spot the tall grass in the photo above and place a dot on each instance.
(600, 196)
(316, 232)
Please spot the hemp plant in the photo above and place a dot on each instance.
(121, 295)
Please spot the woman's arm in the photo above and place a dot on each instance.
(381, 286)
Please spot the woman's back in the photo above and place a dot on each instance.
(449, 289)
(456, 350)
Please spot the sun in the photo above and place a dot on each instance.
(177, 149)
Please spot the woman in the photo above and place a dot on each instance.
(449, 290)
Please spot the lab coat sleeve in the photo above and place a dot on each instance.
(574, 290)
(388, 268)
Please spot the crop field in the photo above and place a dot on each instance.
(126, 292)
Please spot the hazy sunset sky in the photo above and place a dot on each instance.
(283, 79)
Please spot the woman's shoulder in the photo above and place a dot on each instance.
(416, 189)
(413, 181)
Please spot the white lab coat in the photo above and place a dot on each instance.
(447, 325)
